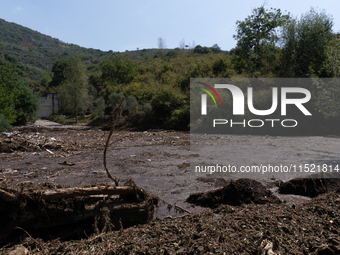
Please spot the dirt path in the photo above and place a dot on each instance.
(51, 124)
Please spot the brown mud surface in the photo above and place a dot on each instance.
(310, 187)
(158, 162)
(244, 191)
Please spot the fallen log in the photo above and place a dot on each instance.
(6, 196)
(65, 221)
(135, 213)
(100, 190)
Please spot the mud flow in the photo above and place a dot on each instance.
(56, 198)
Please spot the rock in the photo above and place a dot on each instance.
(19, 250)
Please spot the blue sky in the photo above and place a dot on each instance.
(121, 25)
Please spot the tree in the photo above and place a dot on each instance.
(219, 66)
(215, 48)
(192, 45)
(328, 90)
(198, 49)
(58, 74)
(119, 68)
(201, 50)
(161, 45)
(18, 104)
(26, 105)
(328, 97)
(4, 124)
(181, 44)
(74, 89)
(257, 31)
(8, 83)
(331, 65)
(305, 42)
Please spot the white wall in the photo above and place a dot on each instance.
(48, 105)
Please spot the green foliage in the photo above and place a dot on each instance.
(11, 58)
(164, 102)
(17, 102)
(305, 43)
(172, 53)
(118, 68)
(215, 48)
(34, 53)
(61, 119)
(201, 50)
(256, 32)
(156, 81)
(328, 97)
(8, 83)
(179, 118)
(257, 29)
(131, 105)
(74, 88)
(114, 100)
(26, 106)
(146, 108)
(331, 67)
(58, 74)
(219, 66)
(99, 107)
(145, 115)
(4, 124)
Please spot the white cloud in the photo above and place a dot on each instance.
(17, 9)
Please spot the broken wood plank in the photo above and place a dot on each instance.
(74, 192)
(182, 209)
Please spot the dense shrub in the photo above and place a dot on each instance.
(4, 124)
(179, 119)
(113, 101)
(99, 107)
(164, 102)
(18, 104)
(131, 105)
(144, 115)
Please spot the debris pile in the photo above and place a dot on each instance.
(36, 141)
(235, 192)
(310, 187)
(48, 211)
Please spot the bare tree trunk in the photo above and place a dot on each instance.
(75, 111)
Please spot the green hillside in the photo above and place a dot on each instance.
(156, 82)
(34, 53)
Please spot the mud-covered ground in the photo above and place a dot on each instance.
(158, 161)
